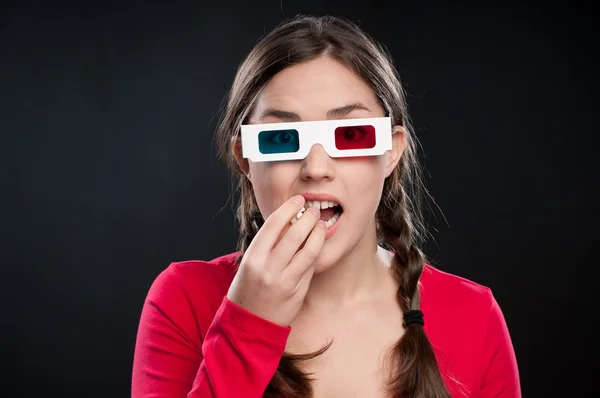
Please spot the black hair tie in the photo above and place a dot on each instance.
(413, 316)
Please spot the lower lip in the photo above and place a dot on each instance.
(331, 230)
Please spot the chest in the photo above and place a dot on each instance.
(357, 363)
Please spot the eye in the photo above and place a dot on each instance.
(278, 141)
(282, 137)
(353, 133)
(355, 137)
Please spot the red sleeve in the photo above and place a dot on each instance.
(500, 372)
(237, 357)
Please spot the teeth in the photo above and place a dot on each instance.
(318, 205)
(332, 220)
(323, 204)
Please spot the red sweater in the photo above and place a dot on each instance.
(193, 342)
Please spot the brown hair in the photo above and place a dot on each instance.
(414, 370)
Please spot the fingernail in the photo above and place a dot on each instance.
(322, 224)
(298, 199)
(314, 211)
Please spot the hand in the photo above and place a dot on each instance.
(276, 269)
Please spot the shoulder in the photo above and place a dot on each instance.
(457, 310)
(196, 281)
(222, 267)
(449, 291)
(466, 326)
(189, 293)
(457, 322)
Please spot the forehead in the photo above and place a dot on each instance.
(312, 88)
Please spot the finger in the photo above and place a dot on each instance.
(290, 243)
(274, 224)
(285, 229)
(303, 283)
(290, 224)
(304, 259)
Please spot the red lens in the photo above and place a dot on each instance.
(355, 137)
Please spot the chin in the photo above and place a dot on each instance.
(327, 258)
(321, 267)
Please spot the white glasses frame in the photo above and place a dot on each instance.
(316, 132)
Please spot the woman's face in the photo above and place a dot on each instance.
(307, 92)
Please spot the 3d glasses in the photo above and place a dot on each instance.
(340, 138)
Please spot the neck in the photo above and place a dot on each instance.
(361, 275)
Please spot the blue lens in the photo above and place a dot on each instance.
(278, 141)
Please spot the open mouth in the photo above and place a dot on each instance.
(330, 211)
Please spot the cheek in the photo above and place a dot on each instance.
(364, 178)
(362, 172)
(271, 182)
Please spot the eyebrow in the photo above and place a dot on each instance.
(294, 117)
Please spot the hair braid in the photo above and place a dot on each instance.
(412, 373)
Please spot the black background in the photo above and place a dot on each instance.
(109, 171)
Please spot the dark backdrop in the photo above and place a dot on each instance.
(109, 170)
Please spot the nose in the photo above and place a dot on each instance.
(318, 164)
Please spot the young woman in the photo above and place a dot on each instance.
(329, 294)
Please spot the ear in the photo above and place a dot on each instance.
(395, 154)
(236, 147)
